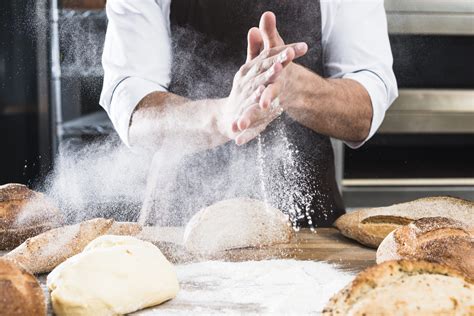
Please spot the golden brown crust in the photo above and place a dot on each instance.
(125, 229)
(44, 252)
(24, 213)
(381, 275)
(435, 239)
(20, 292)
(371, 226)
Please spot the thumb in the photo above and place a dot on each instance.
(271, 37)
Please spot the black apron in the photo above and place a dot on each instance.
(288, 165)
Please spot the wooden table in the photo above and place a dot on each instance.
(325, 244)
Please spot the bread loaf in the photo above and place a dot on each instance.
(236, 223)
(371, 226)
(20, 292)
(436, 239)
(44, 252)
(23, 214)
(405, 288)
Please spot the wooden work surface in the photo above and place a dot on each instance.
(326, 244)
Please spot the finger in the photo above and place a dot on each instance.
(253, 99)
(272, 91)
(249, 134)
(267, 77)
(283, 54)
(255, 43)
(250, 117)
(271, 37)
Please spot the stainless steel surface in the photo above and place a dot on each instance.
(408, 182)
(338, 147)
(431, 111)
(56, 105)
(454, 17)
(44, 117)
(379, 196)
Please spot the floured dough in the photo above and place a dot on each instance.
(236, 223)
(113, 275)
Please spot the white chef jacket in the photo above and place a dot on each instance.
(137, 54)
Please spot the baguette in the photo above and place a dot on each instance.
(23, 214)
(435, 239)
(371, 226)
(20, 292)
(44, 252)
(405, 288)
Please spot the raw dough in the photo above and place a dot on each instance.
(236, 223)
(113, 275)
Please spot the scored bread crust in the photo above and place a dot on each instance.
(383, 275)
(20, 292)
(44, 252)
(24, 213)
(371, 226)
(436, 239)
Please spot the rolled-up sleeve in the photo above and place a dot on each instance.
(136, 58)
(356, 46)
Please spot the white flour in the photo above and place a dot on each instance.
(273, 287)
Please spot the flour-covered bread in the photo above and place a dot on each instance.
(371, 226)
(236, 223)
(44, 252)
(405, 288)
(24, 213)
(20, 292)
(436, 239)
(113, 275)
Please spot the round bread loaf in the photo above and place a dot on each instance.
(405, 288)
(20, 292)
(236, 223)
(436, 239)
(24, 213)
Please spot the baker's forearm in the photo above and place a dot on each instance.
(340, 108)
(166, 120)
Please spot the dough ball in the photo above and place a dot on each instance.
(236, 223)
(113, 275)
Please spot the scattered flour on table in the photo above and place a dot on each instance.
(272, 287)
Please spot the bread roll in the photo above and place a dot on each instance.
(44, 252)
(236, 223)
(371, 226)
(20, 292)
(23, 214)
(405, 288)
(436, 239)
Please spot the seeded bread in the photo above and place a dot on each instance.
(20, 292)
(405, 288)
(371, 226)
(23, 214)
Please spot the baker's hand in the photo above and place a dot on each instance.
(249, 87)
(257, 117)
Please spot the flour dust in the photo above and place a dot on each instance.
(273, 287)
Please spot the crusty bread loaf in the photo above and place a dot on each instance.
(436, 239)
(236, 223)
(44, 252)
(24, 213)
(371, 226)
(405, 288)
(20, 292)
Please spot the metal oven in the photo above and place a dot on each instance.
(425, 146)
